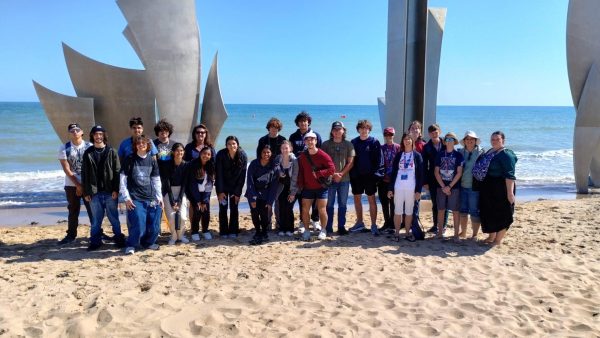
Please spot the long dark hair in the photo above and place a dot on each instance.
(406, 135)
(237, 159)
(209, 167)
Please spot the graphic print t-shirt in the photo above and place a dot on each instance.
(406, 172)
(74, 158)
(448, 164)
(139, 182)
(164, 149)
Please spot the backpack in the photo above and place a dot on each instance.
(417, 230)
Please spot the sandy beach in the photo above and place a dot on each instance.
(544, 281)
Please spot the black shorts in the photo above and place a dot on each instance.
(364, 184)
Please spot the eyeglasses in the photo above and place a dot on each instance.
(449, 139)
(74, 130)
(200, 132)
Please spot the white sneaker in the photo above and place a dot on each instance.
(153, 247)
(207, 235)
(316, 225)
(322, 235)
(172, 241)
(289, 234)
(301, 230)
(195, 237)
(281, 234)
(129, 250)
(184, 240)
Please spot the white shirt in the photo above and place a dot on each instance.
(406, 172)
(75, 160)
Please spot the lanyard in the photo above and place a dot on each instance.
(407, 160)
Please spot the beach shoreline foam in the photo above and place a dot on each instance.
(544, 281)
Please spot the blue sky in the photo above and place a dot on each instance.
(495, 52)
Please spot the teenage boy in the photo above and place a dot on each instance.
(163, 142)
(273, 138)
(70, 156)
(430, 152)
(448, 171)
(136, 126)
(303, 121)
(366, 172)
(310, 170)
(388, 150)
(341, 152)
(100, 175)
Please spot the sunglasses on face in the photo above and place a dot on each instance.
(74, 130)
(449, 139)
(200, 132)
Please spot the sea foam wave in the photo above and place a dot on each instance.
(30, 175)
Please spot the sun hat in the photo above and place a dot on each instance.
(451, 135)
(472, 134)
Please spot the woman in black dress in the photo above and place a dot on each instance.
(494, 173)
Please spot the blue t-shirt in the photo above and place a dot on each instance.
(448, 164)
(126, 149)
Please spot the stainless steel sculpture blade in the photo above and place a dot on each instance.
(586, 138)
(436, 19)
(583, 60)
(415, 61)
(62, 110)
(214, 113)
(118, 93)
(166, 34)
(396, 65)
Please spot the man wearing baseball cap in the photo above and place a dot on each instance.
(100, 174)
(70, 156)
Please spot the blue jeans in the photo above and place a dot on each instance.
(340, 189)
(144, 224)
(100, 203)
(469, 203)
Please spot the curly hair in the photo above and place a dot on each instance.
(163, 125)
(303, 116)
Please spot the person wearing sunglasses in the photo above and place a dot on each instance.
(200, 139)
(469, 198)
(448, 171)
(70, 157)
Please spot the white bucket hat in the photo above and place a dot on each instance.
(470, 133)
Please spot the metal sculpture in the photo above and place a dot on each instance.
(583, 63)
(63, 109)
(165, 36)
(413, 57)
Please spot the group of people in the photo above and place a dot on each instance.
(152, 176)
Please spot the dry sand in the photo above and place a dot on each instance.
(544, 281)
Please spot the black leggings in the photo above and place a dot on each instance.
(260, 217)
(200, 216)
(229, 226)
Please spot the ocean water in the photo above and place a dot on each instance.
(542, 138)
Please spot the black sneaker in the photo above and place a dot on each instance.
(433, 229)
(94, 247)
(66, 240)
(342, 232)
(120, 241)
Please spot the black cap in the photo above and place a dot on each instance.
(73, 126)
(97, 128)
(337, 124)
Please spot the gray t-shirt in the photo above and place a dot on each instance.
(339, 153)
(74, 158)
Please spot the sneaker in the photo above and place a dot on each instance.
(322, 235)
(130, 250)
(172, 241)
(301, 230)
(66, 240)
(342, 231)
(316, 225)
(120, 241)
(374, 230)
(233, 236)
(306, 235)
(93, 247)
(207, 235)
(289, 234)
(433, 229)
(153, 247)
(195, 237)
(358, 227)
(184, 240)
(281, 234)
